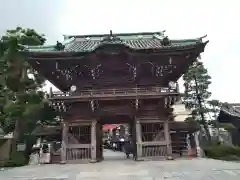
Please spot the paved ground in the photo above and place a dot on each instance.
(122, 169)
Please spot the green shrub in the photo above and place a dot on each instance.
(222, 151)
(230, 158)
(16, 159)
(2, 141)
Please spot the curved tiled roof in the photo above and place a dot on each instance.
(232, 109)
(135, 41)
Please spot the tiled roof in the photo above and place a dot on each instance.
(232, 109)
(46, 130)
(135, 41)
(91, 45)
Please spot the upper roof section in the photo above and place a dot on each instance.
(133, 41)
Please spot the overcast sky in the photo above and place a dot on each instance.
(181, 19)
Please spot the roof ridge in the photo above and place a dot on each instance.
(115, 34)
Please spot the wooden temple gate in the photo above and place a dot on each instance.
(82, 139)
(131, 74)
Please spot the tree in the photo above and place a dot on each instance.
(21, 98)
(196, 83)
(214, 109)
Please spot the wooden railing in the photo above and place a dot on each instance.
(116, 92)
(78, 152)
(154, 150)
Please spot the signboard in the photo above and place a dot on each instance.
(21, 147)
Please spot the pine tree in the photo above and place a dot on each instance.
(21, 98)
(196, 83)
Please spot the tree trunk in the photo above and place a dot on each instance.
(205, 126)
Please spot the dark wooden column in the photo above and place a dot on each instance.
(99, 136)
(64, 142)
(138, 138)
(93, 141)
(168, 138)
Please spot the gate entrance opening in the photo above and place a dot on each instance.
(115, 136)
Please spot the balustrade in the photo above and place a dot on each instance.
(117, 92)
(154, 150)
(78, 152)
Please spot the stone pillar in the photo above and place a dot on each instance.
(93, 142)
(198, 148)
(168, 138)
(138, 138)
(64, 142)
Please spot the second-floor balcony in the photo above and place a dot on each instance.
(115, 93)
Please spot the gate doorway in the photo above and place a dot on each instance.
(113, 135)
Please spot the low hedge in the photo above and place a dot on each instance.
(222, 152)
(16, 159)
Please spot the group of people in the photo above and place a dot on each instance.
(40, 154)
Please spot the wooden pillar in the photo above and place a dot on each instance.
(168, 138)
(93, 141)
(138, 138)
(64, 142)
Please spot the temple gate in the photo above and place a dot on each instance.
(130, 75)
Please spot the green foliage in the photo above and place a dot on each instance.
(214, 109)
(2, 141)
(21, 99)
(223, 152)
(227, 126)
(196, 83)
(199, 73)
(16, 159)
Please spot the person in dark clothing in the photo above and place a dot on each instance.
(127, 148)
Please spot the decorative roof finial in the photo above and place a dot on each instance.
(59, 46)
(165, 41)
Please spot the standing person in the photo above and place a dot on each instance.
(35, 155)
(114, 145)
(127, 149)
(134, 150)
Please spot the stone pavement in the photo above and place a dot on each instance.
(123, 169)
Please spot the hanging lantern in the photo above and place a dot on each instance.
(172, 85)
(73, 88)
(170, 60)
